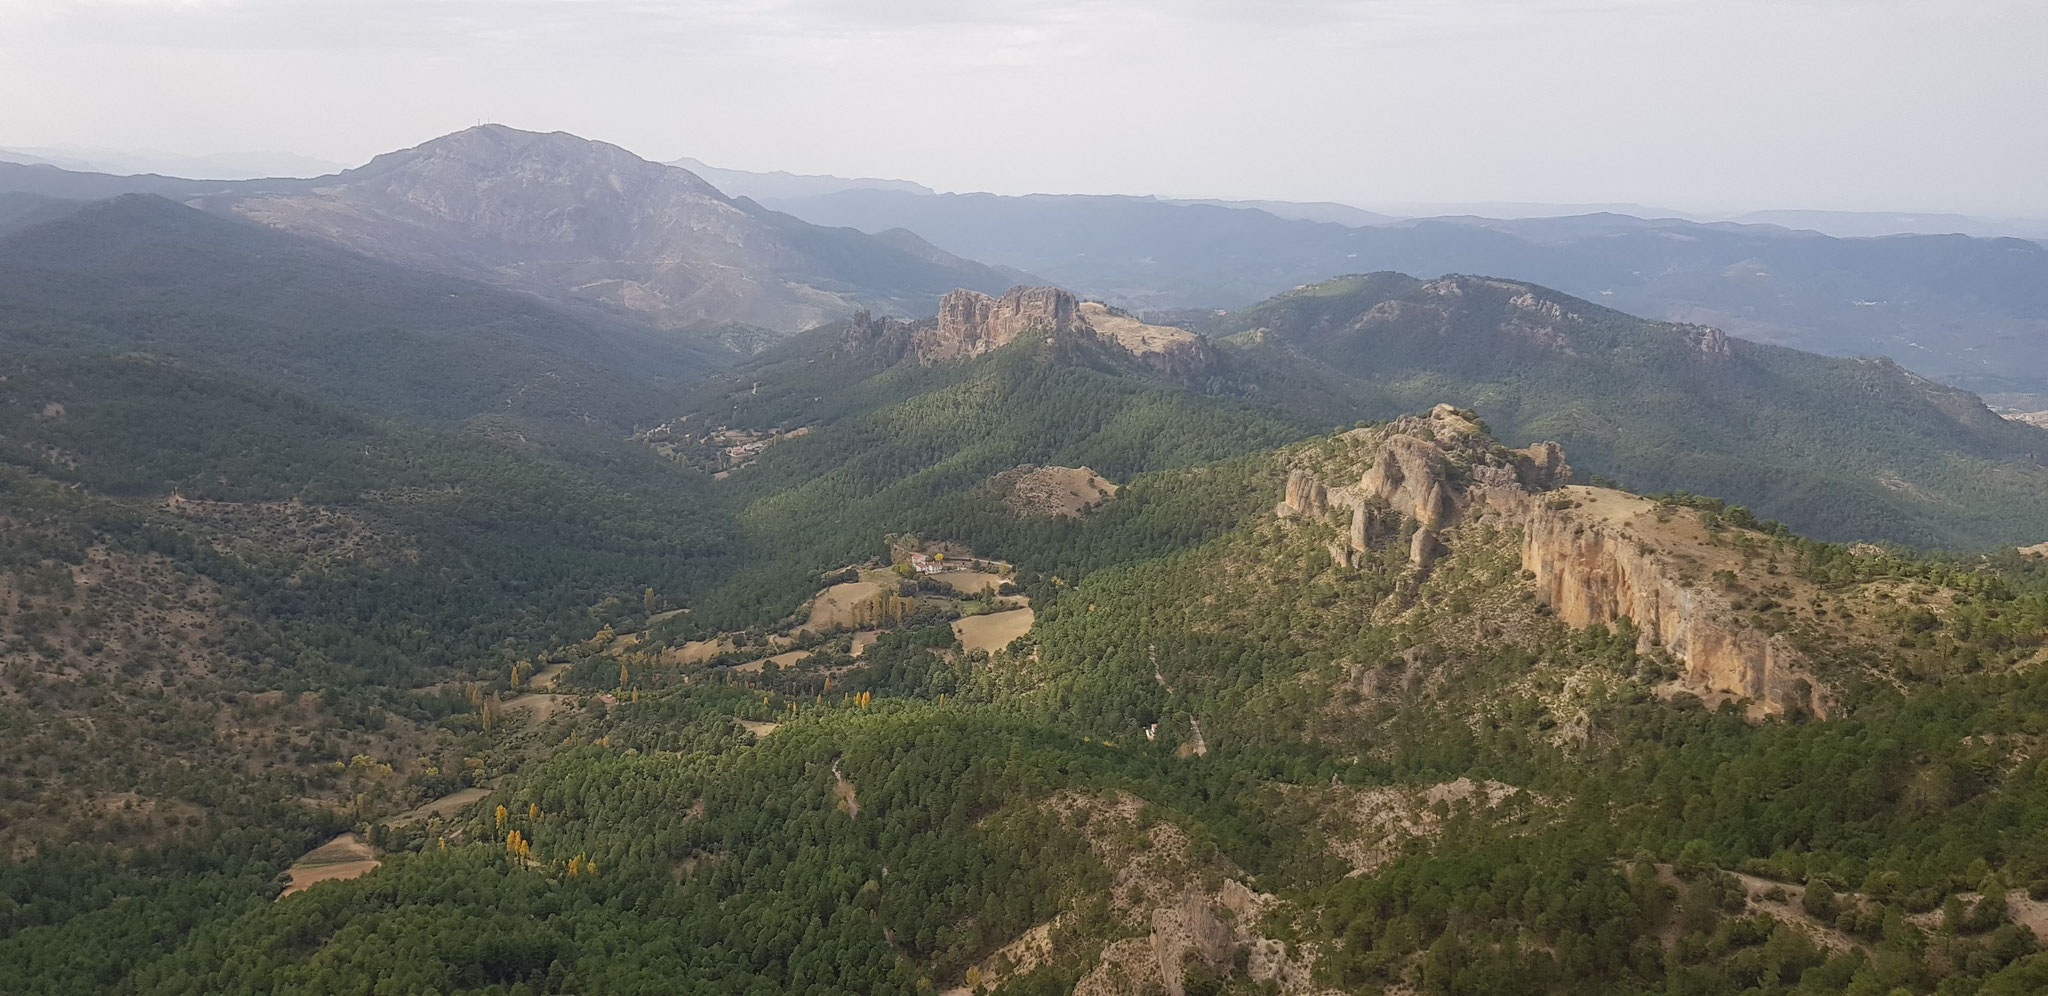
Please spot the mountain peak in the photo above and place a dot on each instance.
(568, 217)
(496, 152)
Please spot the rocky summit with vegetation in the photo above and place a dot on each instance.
(1448, 636)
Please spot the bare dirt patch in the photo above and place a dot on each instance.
(1032, 490)
(992, 631)
(548, 676)
(1132, 334)
(342, 858)
(758, 729)
(863, 640)
(540, 705)
(696, 651)
(2037, 550)
(835, 606)
(779, 661)
(446, 807)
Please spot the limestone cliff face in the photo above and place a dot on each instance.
(972, 323)
(1593, 564)
(1596, 555)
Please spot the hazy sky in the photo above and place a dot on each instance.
(1926, 105)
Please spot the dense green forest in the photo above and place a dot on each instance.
(1842, 449)
(540, 651)
(913, 811)
(143, 273)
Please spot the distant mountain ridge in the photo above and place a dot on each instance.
(1844, 448)
(563, 216)
(224, 166)
(571, 219)
(762, 186)
(670, 248)
(1968, 311)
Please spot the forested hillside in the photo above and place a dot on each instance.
(1242, 758)
(365, 629)
(143, 274)
(1965, 311)
(1844, 449)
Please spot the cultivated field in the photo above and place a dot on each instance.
(342, 858)
(992, 631)
(835, 605)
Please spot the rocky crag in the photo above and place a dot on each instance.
(971, 323)
(1594, 555)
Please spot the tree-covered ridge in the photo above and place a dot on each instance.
(1843, 449)
(216, 588)
(144, 274)
(890, 447)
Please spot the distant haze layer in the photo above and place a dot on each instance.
(1707, 105)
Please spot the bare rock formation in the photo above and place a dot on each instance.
(1407, 483)
(1178, 911)
(1596, 555)
(889, 337)
(1597, 558)
(972, 323)
(1708, 340)
(1305, 496)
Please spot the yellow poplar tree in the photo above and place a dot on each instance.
(502, 814)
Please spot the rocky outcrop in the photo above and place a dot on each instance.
(1171, 919)
(972, 323)
(1708, 340)
(888, 338)
(1545, 469)
(1596, 555)
(1180, 361)
(1593, 563)
(1407, 485)
(1305, 496)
